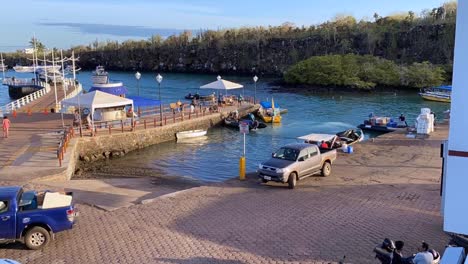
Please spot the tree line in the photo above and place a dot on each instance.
(363, 72)
(404, 38)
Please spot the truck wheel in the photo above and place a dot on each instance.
(326, 169)
(264, 181)
(36, 238)
(292, 180)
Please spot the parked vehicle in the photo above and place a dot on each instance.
(295, 162)
(34, 217)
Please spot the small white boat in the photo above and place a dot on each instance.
(191, 134)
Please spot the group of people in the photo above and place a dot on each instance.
(426, 255)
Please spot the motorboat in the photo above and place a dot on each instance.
(50, 75)
(438, 94)
(253, 124)
(382, 124)
(32, 68)
(100, 76)
(348, 137)
(351, 136)
(269, 113)
(191, 134)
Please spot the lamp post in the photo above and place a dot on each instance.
(137, 77)
(159, 79)
(255, 79)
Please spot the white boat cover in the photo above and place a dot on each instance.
(318, 137)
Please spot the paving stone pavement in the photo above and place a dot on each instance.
(251, 223)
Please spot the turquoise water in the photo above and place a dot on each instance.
(216, 157)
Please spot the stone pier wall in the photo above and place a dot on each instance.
(116, 145)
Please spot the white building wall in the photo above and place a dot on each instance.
(456, 180)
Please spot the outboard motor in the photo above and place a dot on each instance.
(384, 251)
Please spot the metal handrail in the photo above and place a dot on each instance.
(26, 99)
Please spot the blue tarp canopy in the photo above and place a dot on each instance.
(118, 90)
(266, 104)
(143, 102)
(444, 87)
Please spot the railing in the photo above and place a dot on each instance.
(26, 99)
(150, 117)
(68, 134)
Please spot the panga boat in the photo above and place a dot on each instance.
(234, 123)
(268, 113)
(382, 124)
(438, 94)
(191, 134)
(348, 137)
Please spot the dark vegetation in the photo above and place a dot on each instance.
(397, 50)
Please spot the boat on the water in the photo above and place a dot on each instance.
(348, 137)
(100, 76)
(382, 124)
(438, 94)
(32, 68)
(191, 134)
(269, 113)
(351, 136)
(253, 124)
(18, 88)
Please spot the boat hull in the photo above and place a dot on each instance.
(383, 129)
(191, 134)
(16, 92)
(269, 119)
(435, 98)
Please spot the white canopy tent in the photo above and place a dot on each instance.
(95, 100)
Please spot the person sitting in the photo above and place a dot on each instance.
(324, 145)
(424, 256)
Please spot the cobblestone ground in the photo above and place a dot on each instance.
(251, 223)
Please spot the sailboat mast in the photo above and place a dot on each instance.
(34, 54)
(63, 75)
(73, 60)
(3, 66)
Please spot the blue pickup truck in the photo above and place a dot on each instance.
(26, 216)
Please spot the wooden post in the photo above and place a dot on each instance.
(173, 118)
(144, 121)
(121, 125)
(154, 121)
(110, 130)
(165, 121)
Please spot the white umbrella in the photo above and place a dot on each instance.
(221, 84)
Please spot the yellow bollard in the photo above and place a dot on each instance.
(242, 168)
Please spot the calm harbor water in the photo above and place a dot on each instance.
(215, 158)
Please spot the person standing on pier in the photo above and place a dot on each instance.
(6, 126)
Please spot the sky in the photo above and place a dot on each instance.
(67, 23)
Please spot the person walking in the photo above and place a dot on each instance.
(6, 126)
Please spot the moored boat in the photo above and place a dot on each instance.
(269, 113)
(100, 76)
(191, 134)
(382, 124)
(438, 94)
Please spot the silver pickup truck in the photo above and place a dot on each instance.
(294, 162)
